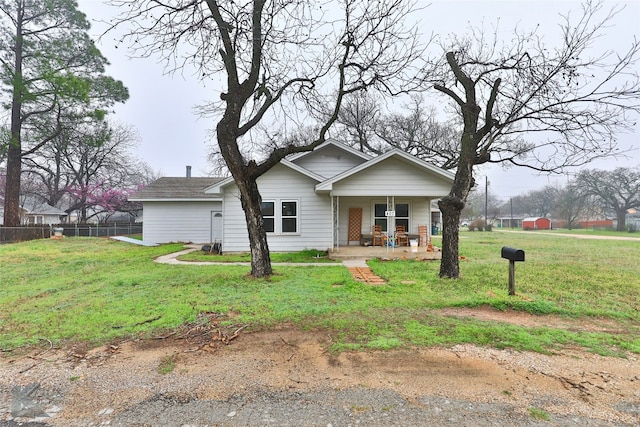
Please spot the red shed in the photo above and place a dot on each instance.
(539, 223)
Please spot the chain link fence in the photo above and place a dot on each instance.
(33, 232)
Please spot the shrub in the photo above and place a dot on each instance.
(478, 224)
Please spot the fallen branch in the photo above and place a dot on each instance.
(153, 319)
(164, 337)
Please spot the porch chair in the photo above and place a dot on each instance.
(377, 236)
(401, 236)
(424, 238)
(422, 233)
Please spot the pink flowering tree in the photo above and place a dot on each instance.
(100, 200)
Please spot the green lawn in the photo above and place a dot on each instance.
(97, 290)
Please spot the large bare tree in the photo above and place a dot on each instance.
(615, 191)
(572, 204)
(283, 63)
(533, 104)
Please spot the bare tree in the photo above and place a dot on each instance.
(543, 107)
(99, 160)
(359, 117)
(542, 202)
(284, 62)
(572, 204)
(478, 200)
(418, 132)
(616, 191)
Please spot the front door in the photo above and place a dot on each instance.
(216, 227)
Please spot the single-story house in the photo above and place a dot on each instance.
(538, 223)
(322, 199)
(37, 212)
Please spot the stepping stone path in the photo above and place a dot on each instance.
(364, 274)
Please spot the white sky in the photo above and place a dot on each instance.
(161, 107)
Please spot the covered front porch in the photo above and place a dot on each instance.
(371, 252)
(394, 189)
(354, 218)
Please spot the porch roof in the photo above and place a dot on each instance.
(392, 173)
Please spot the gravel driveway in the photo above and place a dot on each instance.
(286, 378)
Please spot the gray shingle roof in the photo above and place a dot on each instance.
(177, 188)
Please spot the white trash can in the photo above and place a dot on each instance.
(414, 245)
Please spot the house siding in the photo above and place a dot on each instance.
(329, 161)
(394, 178)
(166, 222)
(279, 184)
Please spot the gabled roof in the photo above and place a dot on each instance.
(218, 186)
(174, 189)
(403, 156)
(45, 209)
(36, 205)
(331, 142)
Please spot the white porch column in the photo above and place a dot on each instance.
(429, 223)
(335, 221)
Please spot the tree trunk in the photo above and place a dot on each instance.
(621, 215)
(252, 206)
(250, 198)
(451, 208)
(14, 151)
(12, 186)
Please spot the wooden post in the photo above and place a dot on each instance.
(512, 277)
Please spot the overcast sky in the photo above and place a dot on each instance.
(161, 107)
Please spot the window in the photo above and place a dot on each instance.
(402, 215)
(268, 216)
(379, 217)
(283, 221)
(290, 217)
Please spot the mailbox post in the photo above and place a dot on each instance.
(513, 255)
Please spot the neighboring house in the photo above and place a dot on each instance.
(511, 221)
(41, 213)
(539, 223)
(322, 199)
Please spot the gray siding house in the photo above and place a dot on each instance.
(323, 199)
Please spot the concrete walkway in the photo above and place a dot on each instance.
(172, 259)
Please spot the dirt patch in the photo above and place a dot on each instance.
(520, 318)
(99, 385)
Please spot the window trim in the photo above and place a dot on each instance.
(283, 217)
(269, 216)
(407, 218)
(278, 217)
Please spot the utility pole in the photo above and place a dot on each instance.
(511, 220)
(486, 200)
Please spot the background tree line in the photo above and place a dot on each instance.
(57, 146)
(590, 195)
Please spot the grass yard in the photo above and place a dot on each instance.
(307, 256)
(98, 290)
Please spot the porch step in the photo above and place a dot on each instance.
(364, 274)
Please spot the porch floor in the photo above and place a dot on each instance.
(370, 252)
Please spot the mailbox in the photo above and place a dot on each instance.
(512, 254)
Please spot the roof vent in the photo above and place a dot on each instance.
(188, 171)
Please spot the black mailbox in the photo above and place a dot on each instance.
(512, 254)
